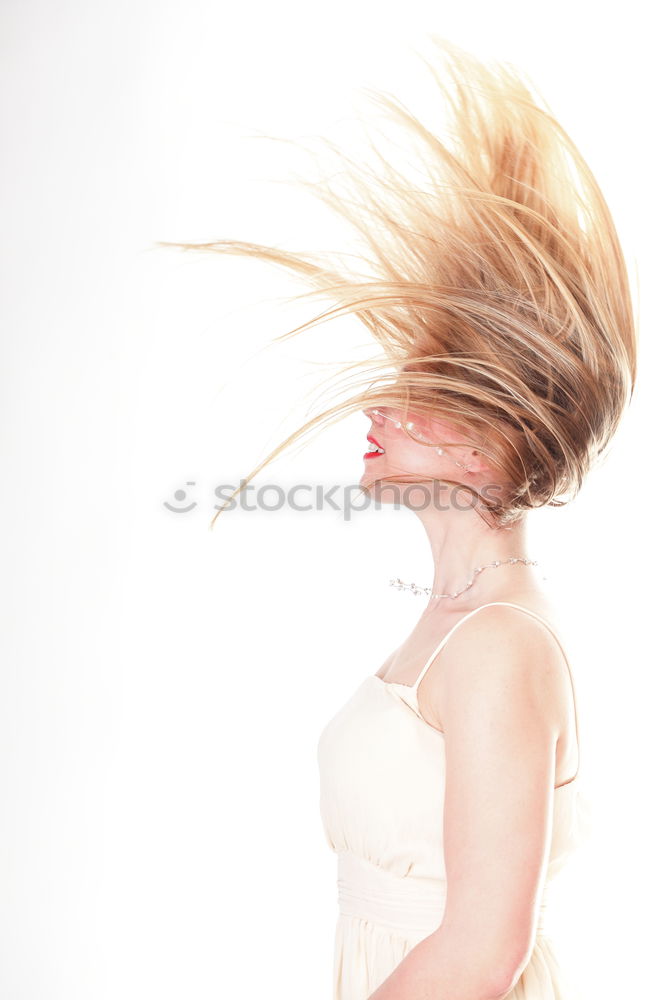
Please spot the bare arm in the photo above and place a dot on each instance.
(499, 707)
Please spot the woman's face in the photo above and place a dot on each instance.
(401, 454)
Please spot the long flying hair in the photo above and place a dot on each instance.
(497, 289)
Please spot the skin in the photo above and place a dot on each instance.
(501, 691)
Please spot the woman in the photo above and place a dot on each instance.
(500, 298)
(450, 774)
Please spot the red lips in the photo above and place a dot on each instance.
(373, 454)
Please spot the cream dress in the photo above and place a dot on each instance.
(382, 771)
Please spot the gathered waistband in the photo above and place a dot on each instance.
(409, 904)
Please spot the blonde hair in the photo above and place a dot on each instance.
(498, 292)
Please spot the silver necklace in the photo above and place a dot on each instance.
(401, 585)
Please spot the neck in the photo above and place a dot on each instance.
(461, 541)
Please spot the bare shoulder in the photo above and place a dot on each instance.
(507, 660)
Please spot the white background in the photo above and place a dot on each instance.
(163, 686)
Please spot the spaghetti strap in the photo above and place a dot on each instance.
(442, 642)
(534, 614)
